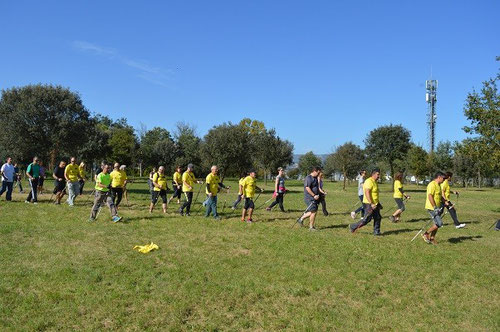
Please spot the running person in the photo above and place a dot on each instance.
(188, 181)
(213, 187)
(279, 190)
(433, 200)
(243, 175)
(371, 204)
(248, 188)
(361, 181)
(33, 173)
(311, 198)
(398, 197)
(159, 190)
(72, 175)
(445, 188)
(103, 180)
(177, 185)
(118, 182)
(59, 182)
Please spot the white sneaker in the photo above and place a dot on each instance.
(353, 214)
(460, 226)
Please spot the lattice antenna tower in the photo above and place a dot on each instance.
(431, 99)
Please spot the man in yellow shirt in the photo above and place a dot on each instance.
(188, 181)
(72, 175)
(118, 183)
(177, 185)
(433, 202)
(371, 204)
(445, 188)
(213, 187)
(83, 176)
(248, 187)
(160, 189)
(398, 197)
(243, 175)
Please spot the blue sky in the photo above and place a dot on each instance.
(320, 72)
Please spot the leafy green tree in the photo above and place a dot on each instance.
(442, 159)
(473, 159)
(308, 161)
(347, 158)
(418, 162)
(188, 145)
(253, 127)
(123, 143)
(44, 120)
(272, 152)
(388, 144)
(157, 148)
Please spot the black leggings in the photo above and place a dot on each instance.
(279, 200)
(116, 195)
(187, 204)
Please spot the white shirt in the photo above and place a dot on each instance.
(8, 172)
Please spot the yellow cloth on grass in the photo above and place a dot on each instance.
(146, 248)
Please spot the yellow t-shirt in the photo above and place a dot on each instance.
(118, 178)
(213, 183)
(371, 185)
(161, 180)
(240, 184)
(190, 179)
(397, 192)
(82, 172)
(249, 186)
(433, 189)
(177, 178)
(445, 188)
(72, 172)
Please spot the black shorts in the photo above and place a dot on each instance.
(59, 186)
(40, 181)
(312, 205)
(177, 191)
(248, 203)
(162, 193)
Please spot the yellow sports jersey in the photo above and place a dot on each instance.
(72, 172)
(177, 178)
(212, 183)
(371, 185)
(118, 178)
(190, 179)
(161, 180)
(249, 186)
(445, 188)
(81, 171)
(397, 193)
(240, 184)
(433, 189)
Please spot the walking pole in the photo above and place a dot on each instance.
(224, 206)
(421, 229)
(492, 225)
(295, 221)
(264, 203)
(90, 195)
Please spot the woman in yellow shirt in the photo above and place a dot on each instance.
(398, 197)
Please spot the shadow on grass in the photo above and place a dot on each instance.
(417, 219)
(461, 239)
(333, 227)
(397, 231)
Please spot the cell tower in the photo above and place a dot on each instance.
(431, 99)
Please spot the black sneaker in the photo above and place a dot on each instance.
(181, 212)
(300, 222)
(188, 214)
(377, 233)
(326, 213)
(353, 227)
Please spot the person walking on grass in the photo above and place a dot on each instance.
(322, 193)
(214, 185)
(188, 181)
(18, 179)
(59, 181)
(279, 190)
(150, 180)
(83, 176)
(159, 190)
(177, 185)
(371, 204)
(72, 176)
(8, 174)
(118, 183)
(361, 181)
(311, 198)
(103, 181)
(33, 173)
(249, 185)
(398, 197)
(41, 179)
(433, 201)
(445, 188)
(243, 175)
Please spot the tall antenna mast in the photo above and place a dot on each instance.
(431, 99)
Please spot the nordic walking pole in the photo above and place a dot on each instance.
(421, 229)
(294, 222)
(264, 203)
(90, 195)
(492, 225)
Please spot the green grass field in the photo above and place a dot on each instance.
(60, 272)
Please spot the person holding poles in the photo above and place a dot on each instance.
(445, 188)
(118, 183)
(72, 175)
(311, 198)
(188, 181)
(83, 176)
(243, 175)
(33, 172)
(177, 185)
(59, 181)
(214, 185)
(371, 204)
(433, 202)
(279, 190)
(18, 178)
(8, 174)
(249, 185)
(398, 197)
(159, 190)
(361, 181)
(103, 181)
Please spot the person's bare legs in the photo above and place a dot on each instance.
(312, 218)
(243, 213)
(151, 206)
(250, 211)
(164, 206)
